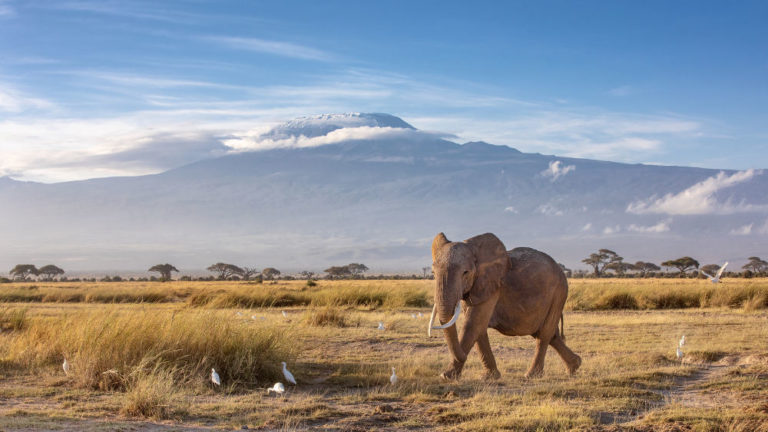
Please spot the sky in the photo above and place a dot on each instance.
(102, 88)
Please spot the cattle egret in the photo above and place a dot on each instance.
(679, 354)
(65, 366)
(716, 277)
(239, 314)
(278, 388)
(381, 326)
(682, 342)
(413, 316)
(254, 317)
(421, 314)
(215, 377)
(393, 378)
(285, 315)
(288, 375)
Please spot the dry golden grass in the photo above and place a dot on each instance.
(162, 354)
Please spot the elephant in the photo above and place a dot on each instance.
(519, 292)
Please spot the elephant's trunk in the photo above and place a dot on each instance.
(449, 328)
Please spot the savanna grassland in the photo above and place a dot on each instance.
(140, 355)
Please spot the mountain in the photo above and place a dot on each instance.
(370, 188)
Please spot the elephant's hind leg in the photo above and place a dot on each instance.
(571, 359)
(486, 356)
(543, 338)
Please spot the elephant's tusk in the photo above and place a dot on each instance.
(431, 321)
(452, 321)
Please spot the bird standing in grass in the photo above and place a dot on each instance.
(285, 315)
(682, 342)
(65, 366)
(393, 377)
(215, 379)
(278, 388)
(381, 326)
(288, 375)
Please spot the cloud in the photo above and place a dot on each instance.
(256, 140)
(511, 209)
(549, 210)
(743, 230)
(279, 48)
(699, 199)
(555, 170)
(6, 10)
(587, 227)
(624, 90)
(611, 230)
(662, 226)
(14, 101)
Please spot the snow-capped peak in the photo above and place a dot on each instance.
(320, 125)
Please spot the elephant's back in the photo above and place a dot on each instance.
(524, 256)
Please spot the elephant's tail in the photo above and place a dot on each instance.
(562, 326)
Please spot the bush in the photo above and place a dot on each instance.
(106, 349)
(150, 394)
(13, 319)
(618, 301)
(327, 316)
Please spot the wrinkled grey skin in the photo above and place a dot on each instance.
(520, 292)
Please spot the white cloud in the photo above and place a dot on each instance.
(662, 226)
(700, 198)
(587, 227)
(549, 210)
(511, 209)
(743, 230)
(14, 101)
(285, 49)
(611, 230)
(556, 170)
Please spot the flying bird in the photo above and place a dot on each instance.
(288, 375)
(65, 366)
(393, 377)
(215, 379)
(716, 277)
(381, 326)
(278, 388)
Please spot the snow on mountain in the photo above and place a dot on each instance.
(379, 198)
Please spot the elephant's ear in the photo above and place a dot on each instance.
(437, 243)
(492, 264)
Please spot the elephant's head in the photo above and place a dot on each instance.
(471, 270)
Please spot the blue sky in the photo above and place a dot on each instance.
(682, 83)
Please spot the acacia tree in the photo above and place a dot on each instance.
(248, 272)
(338, 272)
(225, 271)
(23, 271)
(270, 273)
(756, 265)
(599, 260)
(164, 270)
(306, 274)
(619, 266)
(425, 271)
(683, 264)
(357, 269)
(50, 271)
(645, 267)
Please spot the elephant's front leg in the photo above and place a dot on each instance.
(475, 326)
(486, 356)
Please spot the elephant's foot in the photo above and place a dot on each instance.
(492, 375)
(574, 365)
(535, 372)
(451, 374)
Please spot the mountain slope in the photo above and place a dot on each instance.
(380, 200)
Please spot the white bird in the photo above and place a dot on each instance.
(679, 354)
(285, 315)
(393, 378)
(421, 314)
(288, 375)
(381, 326)
(215, 379)
(682, 342)
(716, 277)
(254, 317)
(239, 314)
(413, 316)
(65, 366)
(278, 388)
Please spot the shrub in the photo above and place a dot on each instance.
(105, 348)
(13, 319)
(327, 316)
(618, 301)
(150, 394)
